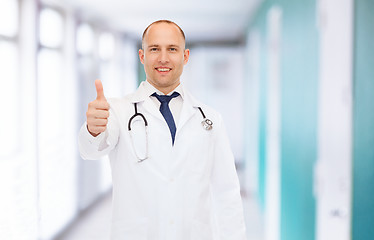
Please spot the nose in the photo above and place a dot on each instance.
(164, 56)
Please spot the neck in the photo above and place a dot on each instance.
(167, 89)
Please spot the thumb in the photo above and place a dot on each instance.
(99, 90)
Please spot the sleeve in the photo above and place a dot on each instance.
(92, 148)
(227, 202)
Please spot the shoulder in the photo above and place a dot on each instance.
(212, 114)
(207, 110)
(115, 102)
(118, 104)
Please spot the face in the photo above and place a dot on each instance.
(164, 56)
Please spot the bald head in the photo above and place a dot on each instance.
(162, 22)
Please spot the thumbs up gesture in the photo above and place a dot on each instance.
(98, 112)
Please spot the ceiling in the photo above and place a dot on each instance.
(201, 20)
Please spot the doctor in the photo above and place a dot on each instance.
(174, 178)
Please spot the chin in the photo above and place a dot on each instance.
(164, 82)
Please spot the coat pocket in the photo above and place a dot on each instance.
(134, 230)
(201, 231)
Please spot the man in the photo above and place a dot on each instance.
(175, 178)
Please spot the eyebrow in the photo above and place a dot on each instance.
(156, 45)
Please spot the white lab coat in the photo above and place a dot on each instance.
(189, 191)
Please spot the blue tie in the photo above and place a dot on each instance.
(165, 111)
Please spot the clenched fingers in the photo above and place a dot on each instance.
(97, 122)
(99, 104)
(97, 113)
(96, 130)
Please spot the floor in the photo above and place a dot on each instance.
(92, 224)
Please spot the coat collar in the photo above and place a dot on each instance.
(143, 92)
(189, 107)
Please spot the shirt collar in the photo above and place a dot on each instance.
(150, 89)
(144, 92)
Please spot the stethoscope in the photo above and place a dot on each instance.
(206, 123)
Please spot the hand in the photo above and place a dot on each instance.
(98, 112)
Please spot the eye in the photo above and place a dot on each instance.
(153, 49)
(173, 49)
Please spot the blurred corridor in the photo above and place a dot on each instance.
(293, 80)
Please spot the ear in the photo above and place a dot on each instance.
(186, 55)
(141, 56)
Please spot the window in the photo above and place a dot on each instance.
(9, 97)
(106, 46)
(9, 18)
(109, 65)
(10, 78)
(85, 40)
(57, 158)
(51, 28)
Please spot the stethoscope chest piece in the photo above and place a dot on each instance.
(207, 124)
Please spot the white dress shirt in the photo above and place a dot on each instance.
(175, 104)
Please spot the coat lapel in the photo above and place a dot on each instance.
(189, 108)
(142, 96)
(150, 107)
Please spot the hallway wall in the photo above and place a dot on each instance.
(363, 150)
(325, 86)
(297, 117)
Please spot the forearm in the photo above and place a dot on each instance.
(91, 147)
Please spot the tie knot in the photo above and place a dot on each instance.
(165, 98)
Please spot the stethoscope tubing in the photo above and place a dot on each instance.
(135, 115)
(206, 123)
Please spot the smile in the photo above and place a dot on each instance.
(163, 69)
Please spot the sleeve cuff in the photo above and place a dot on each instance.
(91, 139)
